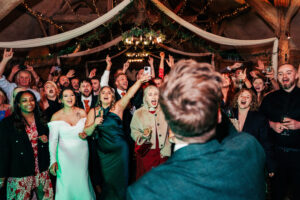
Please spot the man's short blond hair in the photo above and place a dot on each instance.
(190, 98)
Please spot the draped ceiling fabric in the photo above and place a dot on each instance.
(219, 39)
(37, 42)
(109, 15)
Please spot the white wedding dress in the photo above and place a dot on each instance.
(71, 154)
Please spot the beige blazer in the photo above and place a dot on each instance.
(143, 119)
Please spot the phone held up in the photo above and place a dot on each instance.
(147, 70)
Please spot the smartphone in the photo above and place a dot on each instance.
(22, 67)
(147, 70)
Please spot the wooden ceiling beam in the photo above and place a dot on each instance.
(6, 6)
(71, 18)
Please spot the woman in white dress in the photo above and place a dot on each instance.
(68, 153)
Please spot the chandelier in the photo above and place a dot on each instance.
(142, 38)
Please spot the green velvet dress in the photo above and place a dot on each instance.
(112, 150)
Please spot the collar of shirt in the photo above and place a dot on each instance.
(120, 91)
(86, 98)
(179, 146)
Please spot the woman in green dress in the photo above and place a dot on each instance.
(105, 121)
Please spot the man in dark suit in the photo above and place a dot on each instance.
(202, 167)
(86, 100)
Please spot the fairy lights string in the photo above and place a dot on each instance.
(236, 12)
(41, 17)
(96, 8)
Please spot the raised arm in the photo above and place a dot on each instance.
(125, 66)
(34, 74)
(150, 61)
(105, 77)
(161, 69)
(14, 70)
(170, 62)
(123, 102)
(7, 55)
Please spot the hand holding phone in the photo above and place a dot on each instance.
(147, 70)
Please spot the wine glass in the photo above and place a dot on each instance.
(285, 132)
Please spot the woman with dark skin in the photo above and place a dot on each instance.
(24, 151)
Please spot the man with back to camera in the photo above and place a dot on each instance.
(201, 166)
(282, 109)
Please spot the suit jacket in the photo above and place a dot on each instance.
(16, 153)
(230, 170)
(257, 125)
(80, 104)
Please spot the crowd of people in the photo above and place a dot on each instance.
(191, 133)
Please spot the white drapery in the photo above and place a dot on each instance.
(219, 39)
(37, 42)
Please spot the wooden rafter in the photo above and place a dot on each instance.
(6, 6)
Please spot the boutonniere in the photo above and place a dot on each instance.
(43, 138)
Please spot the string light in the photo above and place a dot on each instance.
(41, 17)
(96, 8)
(136, 60)
(236, 12)
(137, 54)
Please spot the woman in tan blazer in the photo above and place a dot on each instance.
(149, 130)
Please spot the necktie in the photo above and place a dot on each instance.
(123, 94)
(86, 105)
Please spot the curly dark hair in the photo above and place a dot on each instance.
(19, 120)
(254, 103)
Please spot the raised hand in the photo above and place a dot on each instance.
(145, 78)
(236, 66)
(71, 73)
(242, 75)
(162, 55)
(29, 68)
(7, 55)
(15, 69)
(108, 61)
(53, 69)
(125, 66)
(92, 73)
(150, 61)
(170, 62)
(260, 65)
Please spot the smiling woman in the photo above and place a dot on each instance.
(149, 130)
(26, 170)
(68, 153)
